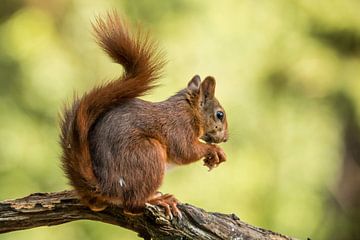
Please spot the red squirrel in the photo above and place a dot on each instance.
(116, 146)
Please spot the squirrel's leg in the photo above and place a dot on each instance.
(146, 168)
(212, 154)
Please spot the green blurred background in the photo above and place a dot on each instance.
(288, 75)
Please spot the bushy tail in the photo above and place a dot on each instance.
(142, 67)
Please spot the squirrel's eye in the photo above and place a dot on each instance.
(220, 115)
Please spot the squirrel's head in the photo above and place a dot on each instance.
(211, 113)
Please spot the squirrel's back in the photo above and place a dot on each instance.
(142, 66)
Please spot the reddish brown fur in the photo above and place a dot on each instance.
(116, 146)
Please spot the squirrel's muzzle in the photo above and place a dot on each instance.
(215, 137)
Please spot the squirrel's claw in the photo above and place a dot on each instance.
(210, 166)
(169, 203)
(214, 158)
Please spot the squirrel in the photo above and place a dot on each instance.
(116, 146)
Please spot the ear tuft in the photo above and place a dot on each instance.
(208, 88)
(194, 84)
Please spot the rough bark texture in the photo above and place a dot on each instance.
(46, 209)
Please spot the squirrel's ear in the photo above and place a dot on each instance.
(194, 84)
(208, 88)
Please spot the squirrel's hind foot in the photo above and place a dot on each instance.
(169, 203)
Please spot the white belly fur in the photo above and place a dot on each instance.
(170, 166)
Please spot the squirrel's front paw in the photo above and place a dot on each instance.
(214, 158)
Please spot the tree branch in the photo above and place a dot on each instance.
(47, 209)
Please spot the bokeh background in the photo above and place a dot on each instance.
(288, 75)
